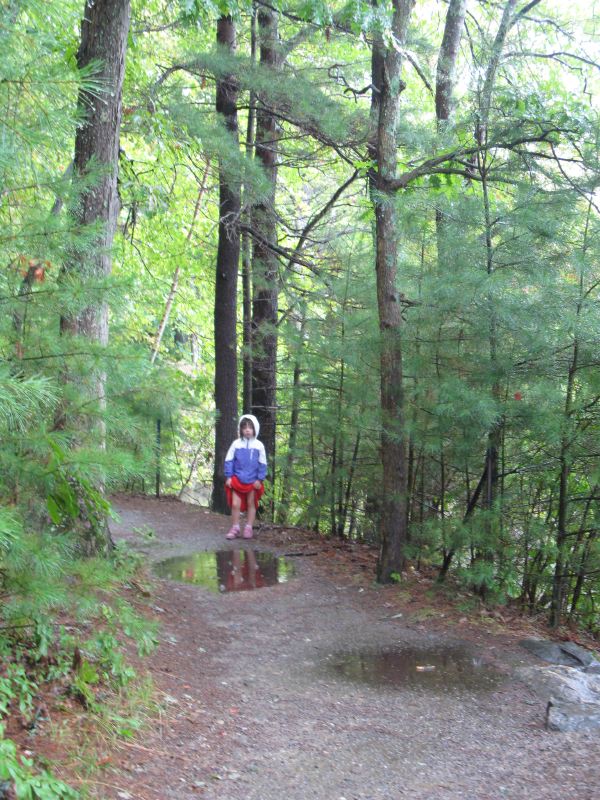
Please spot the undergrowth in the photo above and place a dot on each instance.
(65, 633)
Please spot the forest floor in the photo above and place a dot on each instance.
(262, 694)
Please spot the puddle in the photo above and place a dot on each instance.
(436, 669)
(226, 570)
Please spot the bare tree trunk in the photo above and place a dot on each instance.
(581, 573)
(175, 280)
(581, 550)
(264, 265)
(444, 88)
(286, 476)
(387, 86)
(471, 505)
(494, 436)
(348, 493)
(490, 76)
(247, 241)
(228, 255)
(559, 583)
(104, 32)
(448, 55)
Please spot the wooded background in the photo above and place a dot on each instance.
(374, 225)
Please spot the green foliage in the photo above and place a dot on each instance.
(28, 784)
(86, 678)
(497, 285)
(70, 491)
(21, 399)
(16, 686)
(39, 582)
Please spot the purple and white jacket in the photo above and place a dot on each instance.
(246, 458)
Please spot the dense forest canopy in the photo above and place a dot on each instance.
(374, 225)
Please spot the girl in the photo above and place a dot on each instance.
(245, 470)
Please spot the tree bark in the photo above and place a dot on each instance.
(490, 76)
(286, 476)
(494, 436)
(448, 55)
(559, 582)
(228, 254)
(264, 266)
(444, 87)
(247, 239)
(175, 280)
(104, 32)
(387, 86)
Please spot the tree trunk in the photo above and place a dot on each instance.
(444, 88)
(348, 493)
(175, 280)
(104, 32)
(286, 477)
(264, 266)
(559, 583)
(387, 87)
(490, 76)
(448, 55)
(247, 241)
(228, 254)
(494, 436)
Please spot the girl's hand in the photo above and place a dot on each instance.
(228, 483)
(257, 484)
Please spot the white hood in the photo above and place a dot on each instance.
(253, 420)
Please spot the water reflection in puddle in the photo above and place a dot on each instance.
(435, 668)
(226, 570)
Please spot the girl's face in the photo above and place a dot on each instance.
(247, 429)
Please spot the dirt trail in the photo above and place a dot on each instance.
(251, 713)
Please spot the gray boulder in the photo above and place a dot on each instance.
(561, 716)
(567, 684)
(572, 695)
(567, 654)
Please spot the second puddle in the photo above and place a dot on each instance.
(226, 570)
(434, 668)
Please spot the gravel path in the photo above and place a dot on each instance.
(252, 712)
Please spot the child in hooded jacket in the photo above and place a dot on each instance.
(245, 471)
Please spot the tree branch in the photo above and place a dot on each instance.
(433, 165)
(520, 14)
(556, 56)
(313, 221)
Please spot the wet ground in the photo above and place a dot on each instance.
(441, 668)
(326, 686)
(231, 570)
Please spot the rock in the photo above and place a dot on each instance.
(585, 657)
(573, 696)
(565, 684)
(566, 654)
(561, 716)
